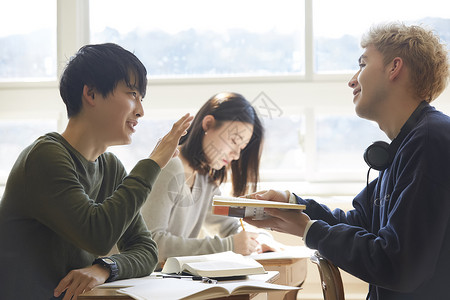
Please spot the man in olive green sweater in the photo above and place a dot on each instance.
(67, 202)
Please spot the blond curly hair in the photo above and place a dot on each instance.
(421, 51)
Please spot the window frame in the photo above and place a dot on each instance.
(307, 94)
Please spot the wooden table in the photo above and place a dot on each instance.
(292, 272)
(112, 294)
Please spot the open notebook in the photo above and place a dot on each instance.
(217, 265)
(166, 289)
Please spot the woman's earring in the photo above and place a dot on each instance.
(206, 132)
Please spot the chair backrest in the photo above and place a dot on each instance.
(330, 278)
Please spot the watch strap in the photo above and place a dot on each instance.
(110, 264)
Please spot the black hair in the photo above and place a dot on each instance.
(245, 170)
(102, 67)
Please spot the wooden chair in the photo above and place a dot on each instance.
(330, 278)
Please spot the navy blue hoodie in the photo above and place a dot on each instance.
(398, 238)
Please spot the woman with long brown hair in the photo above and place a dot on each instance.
(224, 140)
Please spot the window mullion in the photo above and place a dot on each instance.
(309, 41)
(72, 29)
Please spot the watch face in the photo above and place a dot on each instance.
(108, 261)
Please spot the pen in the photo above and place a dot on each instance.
(242, 224)
(199, 278)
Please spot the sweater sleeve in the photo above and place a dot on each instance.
(138, 251)
(158, 212)
(94, 225)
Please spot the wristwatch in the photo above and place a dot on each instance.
(109, 264)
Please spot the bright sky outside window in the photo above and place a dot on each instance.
(338, 26)
(205, 38)
(28, 40)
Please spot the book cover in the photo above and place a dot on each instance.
(217, 265)
(243, 207)
(256, 213)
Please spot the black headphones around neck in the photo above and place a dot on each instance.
(380, 154)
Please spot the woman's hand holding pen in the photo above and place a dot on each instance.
(245, 242)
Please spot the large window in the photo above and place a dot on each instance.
(241, 38)
(28, 40)
(291, 58)
(203, 37)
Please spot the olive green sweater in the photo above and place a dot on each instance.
(59, 212)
